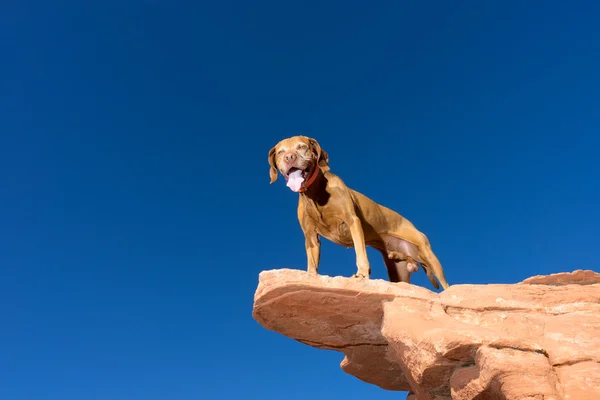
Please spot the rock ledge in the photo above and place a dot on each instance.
(538, 339)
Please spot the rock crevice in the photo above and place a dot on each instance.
(538, 339)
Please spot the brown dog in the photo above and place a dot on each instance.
(328, 208)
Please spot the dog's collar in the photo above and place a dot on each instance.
(310, 180)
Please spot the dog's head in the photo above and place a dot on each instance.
(297, 153)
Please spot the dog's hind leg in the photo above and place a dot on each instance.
(397, 270)
(431, 264)
(424, 255)
(420, 250)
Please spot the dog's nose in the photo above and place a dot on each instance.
(290, 157)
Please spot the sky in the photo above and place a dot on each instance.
(135, 206)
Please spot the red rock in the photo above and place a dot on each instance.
(579, 277)
(539, 339)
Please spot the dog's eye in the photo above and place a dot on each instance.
(281, 152)
(302, 146)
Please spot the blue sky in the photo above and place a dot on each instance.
(135, 205)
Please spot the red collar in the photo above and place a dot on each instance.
(310, 180)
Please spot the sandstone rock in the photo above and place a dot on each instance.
(538, 339)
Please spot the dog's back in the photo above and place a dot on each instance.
(383, 220)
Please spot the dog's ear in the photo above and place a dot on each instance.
(322, 156)
(272, 163)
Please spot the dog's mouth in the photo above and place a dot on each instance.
(293, 171)
(295, 178)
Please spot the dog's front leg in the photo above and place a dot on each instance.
(313, 251)
(358, 237)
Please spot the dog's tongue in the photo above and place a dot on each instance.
(295, 180)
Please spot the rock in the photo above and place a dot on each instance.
(579, 277)
(538, 339)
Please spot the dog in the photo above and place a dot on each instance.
(328, 208)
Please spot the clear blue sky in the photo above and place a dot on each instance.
(136, 211)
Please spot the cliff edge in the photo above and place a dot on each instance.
(538, 339)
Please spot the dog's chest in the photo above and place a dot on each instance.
(330, 224)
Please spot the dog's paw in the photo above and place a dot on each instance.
(359, 276)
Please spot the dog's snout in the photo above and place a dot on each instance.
(290, 157)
